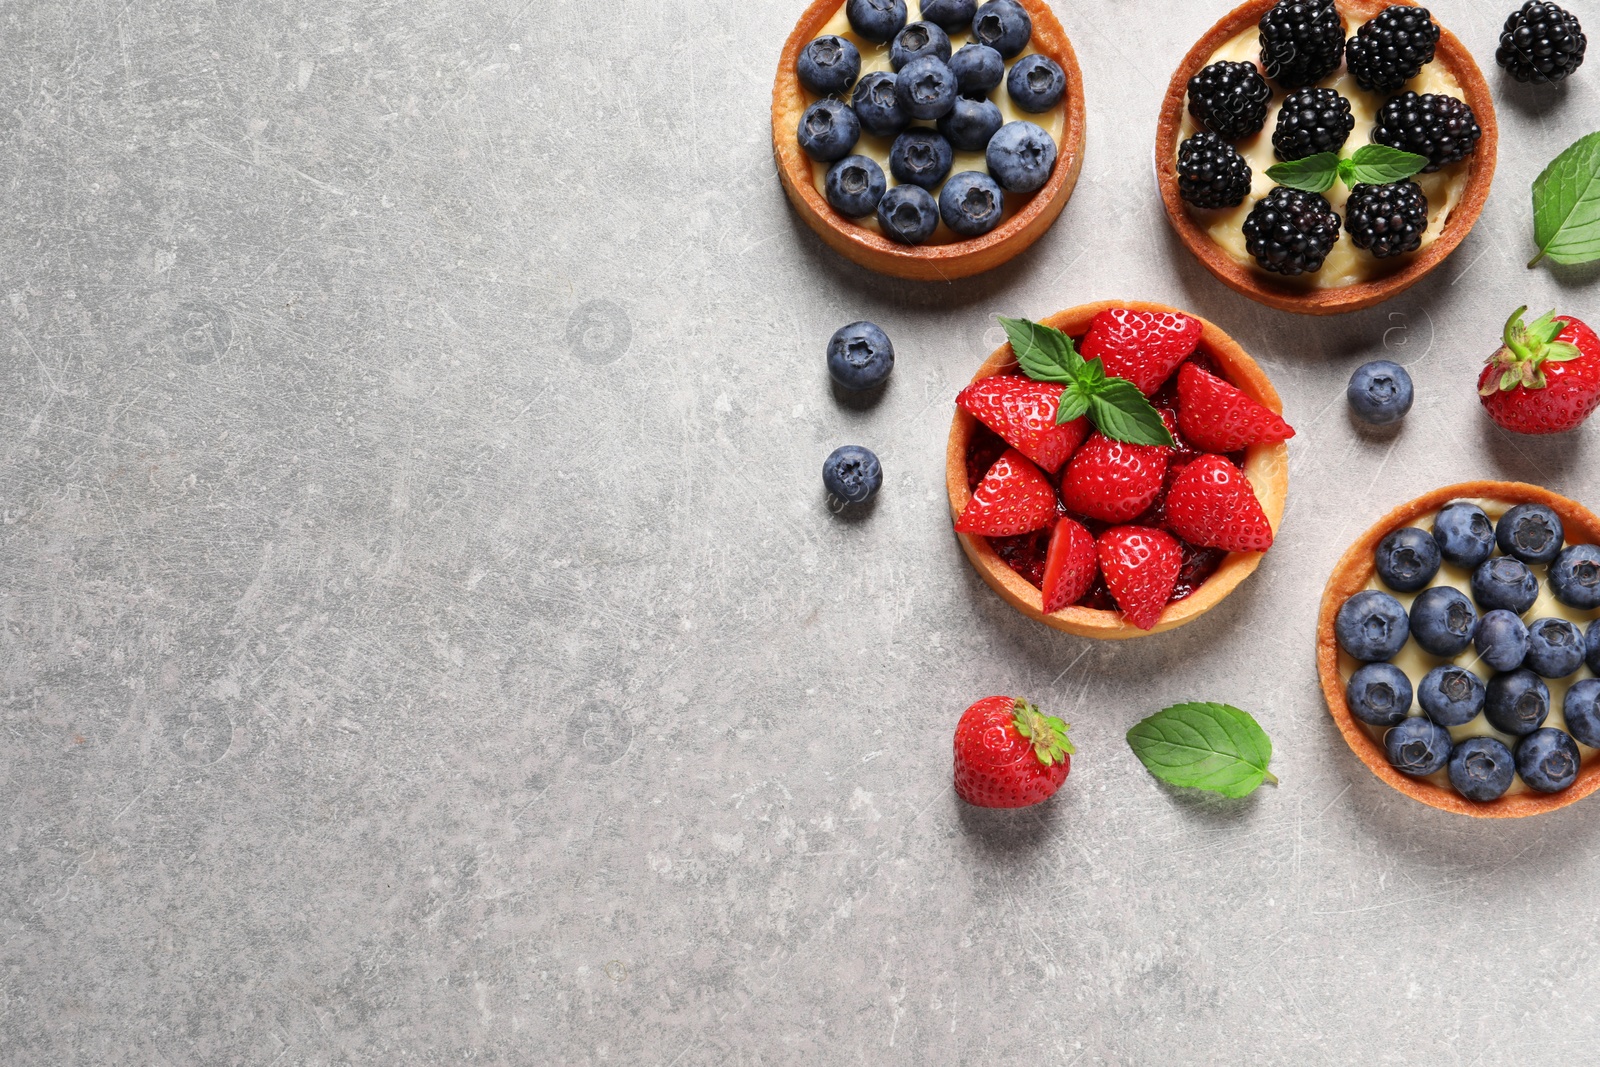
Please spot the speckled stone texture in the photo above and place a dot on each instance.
(426, 641)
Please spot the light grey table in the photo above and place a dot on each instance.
(425, 639)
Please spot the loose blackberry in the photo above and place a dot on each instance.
(1302, 42)
(1230, 99)
(1392, 49)
(1387, 220)
(1312, 121)
(1291, 232)
(1541, 43)
(1211, 172)
(1440, 127)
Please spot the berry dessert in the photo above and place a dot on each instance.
(1009, 754)
(1458, 647)
(1117, 469)
(1546, 376)
(929, 140)
(1321, 156)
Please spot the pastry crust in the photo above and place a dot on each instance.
(1351, 575)
(1257, 285)
(941, 262)
(1266, 465)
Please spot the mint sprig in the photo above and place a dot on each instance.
(1114, 405)
(1566, 205)
(1373, 164)
(1215, 747)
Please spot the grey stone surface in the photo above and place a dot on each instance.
(425, 639)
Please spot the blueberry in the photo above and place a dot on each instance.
(1408, 559)
(917, 40)
(970, 124)
(828, 130)
(1501, 640)
(877, 107)
(1582, 709)
(926, 88)
(876, 20)
(971, 203)
(1548, 760)
(1380, 392)
(1443, 621)
(1504, 582)
(854, 186)
(1555, 648)
(1591, 644)
(1021, 156)
(1372, 626)
(1531, 532)
(852, 474)
(953, 16)
(1575, 577)
(1036, 83)
(1464, 533)
(1417, 746)
(908, 214)
(1003, 25)
(1379, 694)
(978, 69)
(1481, 768)
(1517, 703)
(829, 65)
(920, 156)
(860, 356)
(1452, 696)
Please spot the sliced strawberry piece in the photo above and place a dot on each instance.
(1219, 417)
(1144, 347)
(1111, 480)
(1023, 412)
(1069, 566)
(1013, 498)
(1140, 565)
(1211, 503)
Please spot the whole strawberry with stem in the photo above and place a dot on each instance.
(1009, 754)
(1545, 378)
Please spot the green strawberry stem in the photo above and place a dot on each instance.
(1528, 346)
(1048, 733)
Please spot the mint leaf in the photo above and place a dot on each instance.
(1204, 746)
(1123, 413)
(1074, 405)
(1314, 174)
(1044, 353)
(1378, 164)
(1566, 205)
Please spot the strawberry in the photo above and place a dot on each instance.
(1218, 417)
(1211, 504)
(1546, 378)
(1023, 412)
(1140, 565)
(1144, 347)
(1069, 565)
(1009, 754)
(1113, 481)
(1013, 498)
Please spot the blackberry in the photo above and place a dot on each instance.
(1230, 99)
(1302, 42)
(1312, 121)
(1387, 220)
(1211, 172)
(1392, 49)
(1440, 127)
(1291, 232)
(1541, 43)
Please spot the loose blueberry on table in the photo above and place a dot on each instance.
(1380, 393)
(852, 474)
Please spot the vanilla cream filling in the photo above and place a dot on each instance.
(1416, 662)
(1346, 264)
(876, 57)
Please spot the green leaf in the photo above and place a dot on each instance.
(1044, 353)
(1314, 174)
(1378, 164)
(1566, 205)
(1074, 405)
(1204, 746)
(1122, 413)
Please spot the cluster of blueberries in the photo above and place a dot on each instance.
(1373, 627)
(860, 357)
(930, 84)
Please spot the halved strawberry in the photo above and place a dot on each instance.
(1013, 498)
(1220, 417)
(1023, 412)
(1069, 565)
(1211, 503)
(1140, 565)
(1144, 347)
(1112, 480)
